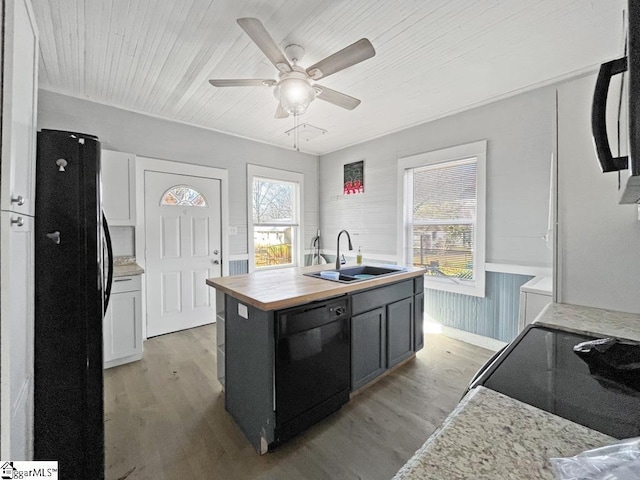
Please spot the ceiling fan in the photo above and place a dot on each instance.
(294, 89)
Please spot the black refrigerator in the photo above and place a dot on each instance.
(73, 270)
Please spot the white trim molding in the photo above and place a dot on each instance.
(518, 269)
(277, 175)
(478, 151)
(473, 338)
(144, 164)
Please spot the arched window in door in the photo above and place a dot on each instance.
(183, 195)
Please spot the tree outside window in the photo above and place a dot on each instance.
(443, 215)
(275, 222)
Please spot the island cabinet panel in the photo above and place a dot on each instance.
(249, 360)
(399, 331)
(378, 297)
(368, 346)
(418, 322)
(386, 328)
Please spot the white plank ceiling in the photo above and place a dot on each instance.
(433, 57)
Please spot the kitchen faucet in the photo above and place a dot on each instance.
(338, 247)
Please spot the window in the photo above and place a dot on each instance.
(183, 195)
(443, 199)
(275, 212)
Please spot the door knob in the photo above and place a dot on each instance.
(215, 252)
(19, 200)
(18, 222)
(215, 262)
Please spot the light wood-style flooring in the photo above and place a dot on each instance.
(165, 417)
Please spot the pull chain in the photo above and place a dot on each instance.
(296, 133)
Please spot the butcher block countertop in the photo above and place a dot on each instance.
(287, 287)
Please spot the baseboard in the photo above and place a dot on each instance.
(121, 361)
(473, 338)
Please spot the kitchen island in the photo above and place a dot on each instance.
(490, 435)
(292, 347)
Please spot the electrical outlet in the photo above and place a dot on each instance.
(233, 230)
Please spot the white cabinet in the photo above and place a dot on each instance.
(122, 324)
(118, 187)
(17, 187)
(16, 312)
(19, 102)
(534, 296)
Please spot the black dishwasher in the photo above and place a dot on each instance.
(313, 364)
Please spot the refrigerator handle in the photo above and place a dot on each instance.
(107, 236)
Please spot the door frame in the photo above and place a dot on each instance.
(145, 164)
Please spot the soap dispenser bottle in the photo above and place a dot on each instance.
(359, 256)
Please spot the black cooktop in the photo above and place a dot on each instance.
(541, 368)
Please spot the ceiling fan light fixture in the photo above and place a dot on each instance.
(294, 94)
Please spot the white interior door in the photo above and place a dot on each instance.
(183, 243)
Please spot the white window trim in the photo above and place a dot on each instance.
(278, 175)
(478, 150)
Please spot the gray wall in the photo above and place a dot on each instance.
(519, 134)
(599, 240)
(148, 136)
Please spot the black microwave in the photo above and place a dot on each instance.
(629, 66)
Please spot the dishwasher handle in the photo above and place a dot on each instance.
(308, 317)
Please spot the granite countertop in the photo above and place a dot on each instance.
(492, 436)
(590, 321)
(126, 267)
(287, 287)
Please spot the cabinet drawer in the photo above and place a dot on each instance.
(126, 284)
(377, 297)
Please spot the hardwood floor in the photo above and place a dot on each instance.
(165, 417)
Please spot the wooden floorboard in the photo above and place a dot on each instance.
(165, 417)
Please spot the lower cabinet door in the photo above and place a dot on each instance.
(368, 347)
(399, 331)
(122, 331)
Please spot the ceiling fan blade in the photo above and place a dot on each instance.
(252, 82)
(280, 113)
(337, 98)
(348, 56)
(256, 31)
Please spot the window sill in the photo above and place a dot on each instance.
(453, 285)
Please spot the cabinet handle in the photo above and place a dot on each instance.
(17, 221)
(19, 200)
(122, 280)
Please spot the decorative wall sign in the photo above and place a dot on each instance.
(353, 178)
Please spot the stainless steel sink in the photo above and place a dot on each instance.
(355, 274)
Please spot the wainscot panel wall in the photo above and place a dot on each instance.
(149, 136)
(494, 316)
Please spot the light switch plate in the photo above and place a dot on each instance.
(243, 311)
